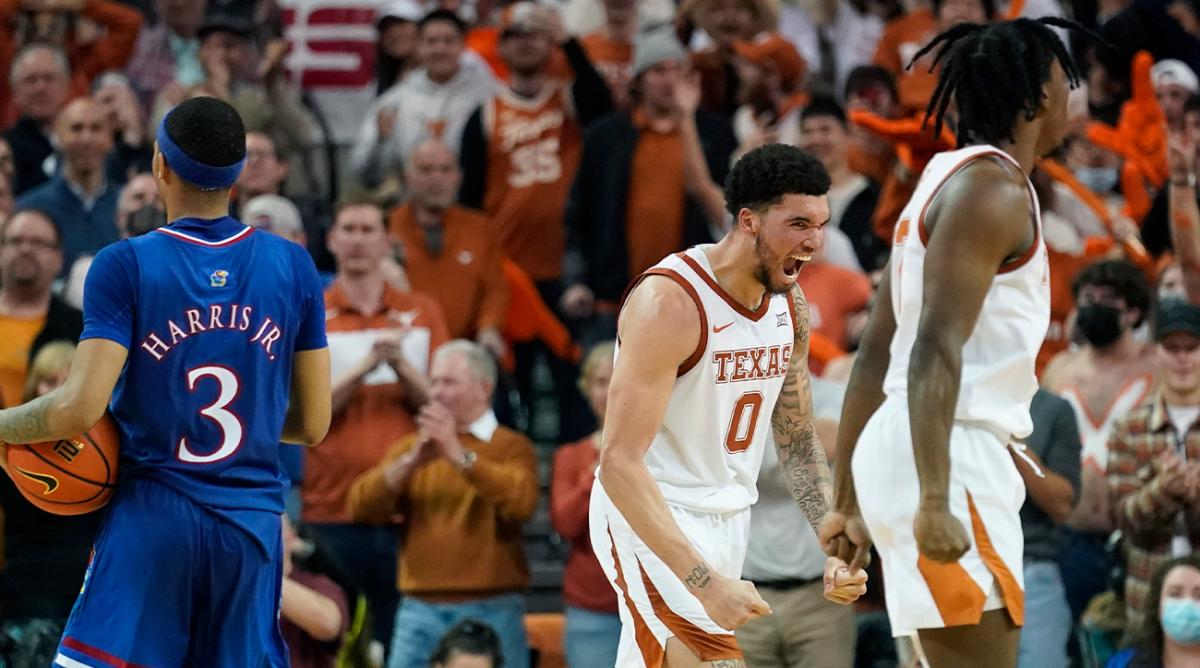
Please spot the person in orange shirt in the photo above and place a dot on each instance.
(593, 626)
(441, 239)
(904, 36)
(380, 345)
(466, 486)
(30, 314)
(520, 151)
(611, 47)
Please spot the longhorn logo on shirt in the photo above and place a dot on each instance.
(219, 278)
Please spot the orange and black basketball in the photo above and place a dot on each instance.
(68, 477)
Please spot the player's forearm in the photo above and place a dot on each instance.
(316, 614)
(50, 417)
(933, 384)
(636, 495)
(802, 459)
(864, 396)
(801, 456)
(1185, 236)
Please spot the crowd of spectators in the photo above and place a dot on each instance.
(517, 165)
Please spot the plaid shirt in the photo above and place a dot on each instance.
(1143, 510)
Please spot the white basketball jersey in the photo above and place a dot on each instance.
(708, 451)
(998, 378)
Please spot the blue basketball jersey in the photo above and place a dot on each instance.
(211, 313)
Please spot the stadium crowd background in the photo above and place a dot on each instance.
(512, 166)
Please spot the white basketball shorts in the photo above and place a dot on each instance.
(654, 604)
(986, 493)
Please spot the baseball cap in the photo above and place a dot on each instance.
(220, 22)
(518, 18)
(656, 46)
(1171, 71)
(400, 10)
(1176, 315)
(772, 51)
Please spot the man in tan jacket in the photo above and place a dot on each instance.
(464, 486)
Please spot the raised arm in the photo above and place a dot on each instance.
(972, 231)
(801, 456)
(641, 386)
(1184, 214)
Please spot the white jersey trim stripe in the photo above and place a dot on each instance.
(67, 662)
(203, 242)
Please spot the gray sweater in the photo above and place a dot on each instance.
(1055, 440)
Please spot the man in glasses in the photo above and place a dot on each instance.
(30, 314)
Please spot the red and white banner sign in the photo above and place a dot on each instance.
(333, 57)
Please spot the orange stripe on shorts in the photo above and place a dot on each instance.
(652, 652)
(706, 646)
(958, 598)
(1010, 591)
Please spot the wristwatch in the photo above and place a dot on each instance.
(466, 461)
(1189, 182)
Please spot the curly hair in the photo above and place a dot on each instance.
(995, 73)
(1124, 278)
(208, 130)
(765, 175)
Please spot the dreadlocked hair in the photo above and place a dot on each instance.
(995, 72)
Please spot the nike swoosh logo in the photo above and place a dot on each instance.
(49, 481)
(718, 330)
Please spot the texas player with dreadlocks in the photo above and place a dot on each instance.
(939, 397)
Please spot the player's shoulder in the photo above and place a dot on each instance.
(662, 313)
(663, 295)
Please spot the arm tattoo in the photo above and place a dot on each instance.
(27, 423)
(728, 663)
(698, 578)
(801, 455)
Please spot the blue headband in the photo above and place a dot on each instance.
(193, 171)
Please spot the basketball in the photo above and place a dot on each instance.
(68, 477)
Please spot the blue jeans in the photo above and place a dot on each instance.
(592, 638)
(1047, 627)
(420, 625)
(1086, 566)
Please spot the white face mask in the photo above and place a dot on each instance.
(1100, 180)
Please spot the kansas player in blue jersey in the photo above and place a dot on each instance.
(206, 342)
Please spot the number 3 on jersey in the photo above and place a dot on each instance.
(743, 421)
(229, 424)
